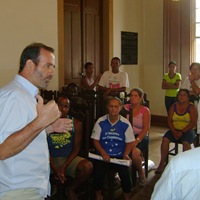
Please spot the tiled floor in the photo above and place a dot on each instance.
(138, 193)
(156, 134)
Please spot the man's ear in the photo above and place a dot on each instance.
(30, 65)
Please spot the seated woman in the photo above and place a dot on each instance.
(112, 138)
(87, 81)
(139, 117)
(64, 150)
(182, 120)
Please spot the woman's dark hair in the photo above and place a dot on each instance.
(183, 90)
(194, 63)
(172, 62)
(32, 52)
(63, 95)
(87, 65)
(72, 89)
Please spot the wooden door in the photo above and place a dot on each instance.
(72, 40)
(177, 34)
(82, 33)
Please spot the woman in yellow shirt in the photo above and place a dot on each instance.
(182, 120)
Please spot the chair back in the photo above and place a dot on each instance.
(49, 95)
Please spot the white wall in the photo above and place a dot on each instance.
(26, 21)
(146, 18)
(127, 17)
(153, 55)
(23, 22)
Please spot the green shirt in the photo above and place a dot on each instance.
(171, 92)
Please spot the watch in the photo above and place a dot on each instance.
(138, 139)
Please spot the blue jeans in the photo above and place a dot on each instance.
(188, 136)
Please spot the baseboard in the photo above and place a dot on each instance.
(157, 120)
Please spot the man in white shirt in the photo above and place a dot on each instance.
(114, 81)
(181, 178)
(24, 122)
(195, 74)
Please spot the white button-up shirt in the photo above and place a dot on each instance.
(30, 167)
(181, 178)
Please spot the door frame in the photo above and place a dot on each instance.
(107, 46)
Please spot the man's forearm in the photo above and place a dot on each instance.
(19, 140)
(195, 88)
(121, 89)
(128, 148)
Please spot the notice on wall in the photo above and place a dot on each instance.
(129, 48)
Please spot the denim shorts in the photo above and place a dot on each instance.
(188, 136)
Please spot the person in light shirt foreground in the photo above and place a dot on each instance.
(25, 122)
(181, 178)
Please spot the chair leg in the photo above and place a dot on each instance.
(146, 159)
(167, 159)
(133, 175)
(173, 151)
(176, 148)
(145, 155)
(196, 142)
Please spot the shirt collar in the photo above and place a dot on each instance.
(110, 121)
(27, 85)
